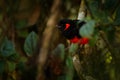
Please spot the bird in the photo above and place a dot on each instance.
(70, 30)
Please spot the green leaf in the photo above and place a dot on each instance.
(69, 62)
(11, 66)
(73, 48)
(93, 40)
(70, 69)
(30, 43)
(7, 48)
(88, 29)
(60, 51)
(2, 66)
(21, 24)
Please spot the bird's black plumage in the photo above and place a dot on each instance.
(73, 29)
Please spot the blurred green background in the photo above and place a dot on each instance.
(28, 35)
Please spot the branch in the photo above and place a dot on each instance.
(76, 60)
(82, 11)
(47, 35)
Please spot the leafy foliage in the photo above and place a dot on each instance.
(7, 48)
(11, 66)
(73, 48)
(19, 42)
(31, 43)
(70, 69)
(87, 30)
(8, 58)
(60, 51)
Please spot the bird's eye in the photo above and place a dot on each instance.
(67, 25)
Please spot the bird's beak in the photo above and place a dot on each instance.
(58, 26)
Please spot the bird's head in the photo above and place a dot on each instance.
(65, 24)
